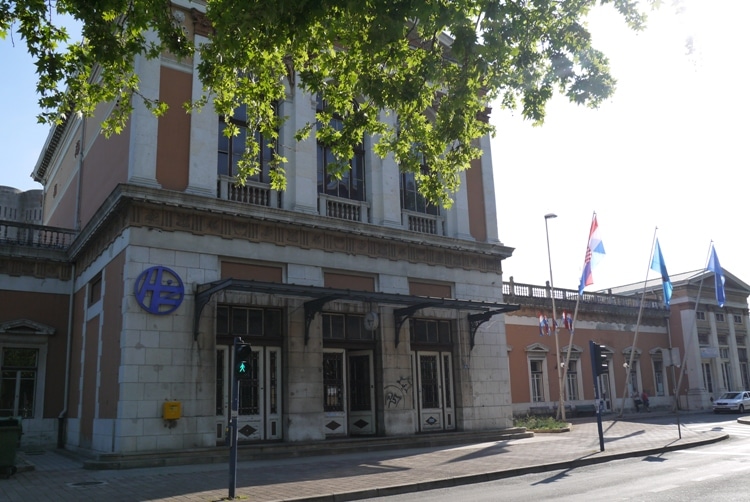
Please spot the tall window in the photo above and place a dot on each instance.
(726, 375)
(537, 380)
(572, 380)
(659, 377)
(18, 382)
(411, 199)
(634, 379)
(351, 185)
(232, 149)
(708, 381)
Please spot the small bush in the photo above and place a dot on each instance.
(539, 423)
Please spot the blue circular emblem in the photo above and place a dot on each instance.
(159, 290)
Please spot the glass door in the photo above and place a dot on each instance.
(435, 391)
(361, 393)
(334, 393)
(259, 405)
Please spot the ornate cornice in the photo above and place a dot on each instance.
(283, 233)
(138, 207)
(201, 24)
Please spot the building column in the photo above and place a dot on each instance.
(204, 141)
(734, 356)
(143, 124)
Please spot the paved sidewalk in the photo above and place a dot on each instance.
(58, 477)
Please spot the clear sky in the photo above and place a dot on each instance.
(667, 151)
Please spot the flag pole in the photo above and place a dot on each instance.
(637, 325)
(575, 312)
(561, 407)
(678, 385)
(570, 343)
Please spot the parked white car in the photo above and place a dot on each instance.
(737, 401)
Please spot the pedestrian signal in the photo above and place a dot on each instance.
(242, 353)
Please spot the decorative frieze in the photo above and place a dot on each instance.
(282, 233)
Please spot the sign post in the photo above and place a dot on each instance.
(598, 367)
(233, 424)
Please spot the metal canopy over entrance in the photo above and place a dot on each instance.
(320, 296)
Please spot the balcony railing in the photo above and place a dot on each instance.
(423, 223)
(512, 289)
(252, 192)
(27, 234)
(344, 209)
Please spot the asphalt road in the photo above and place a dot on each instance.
(714, 472)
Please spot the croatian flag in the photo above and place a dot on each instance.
(715, 267)
(594, 252)
(567, 320)
(543, 325)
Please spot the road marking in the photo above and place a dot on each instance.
(710, 476)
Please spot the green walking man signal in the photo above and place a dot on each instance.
(242, 352)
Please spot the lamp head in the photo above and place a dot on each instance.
(549, 216)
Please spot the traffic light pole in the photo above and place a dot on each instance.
(595, 355)
(233, 426)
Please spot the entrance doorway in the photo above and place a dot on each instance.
(259, 404)
(434, 384)
(348, 392)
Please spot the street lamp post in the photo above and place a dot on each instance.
(561, 407)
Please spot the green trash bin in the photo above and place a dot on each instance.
(10, 436)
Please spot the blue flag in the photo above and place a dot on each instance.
(715, 267)
(657, 264)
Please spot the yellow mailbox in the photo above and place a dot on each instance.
(172, 410)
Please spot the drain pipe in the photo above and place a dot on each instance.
(64, 413)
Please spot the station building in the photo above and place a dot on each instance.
(369, 311)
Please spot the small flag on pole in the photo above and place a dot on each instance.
(567, 320)
(657, 264)
(594, 252)
(715, 267)
(543, 325)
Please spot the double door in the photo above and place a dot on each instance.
(348, 392)
(434, 384)
(259, 403)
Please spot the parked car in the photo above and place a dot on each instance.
(733, 401)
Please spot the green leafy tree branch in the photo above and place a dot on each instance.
(417, 75)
